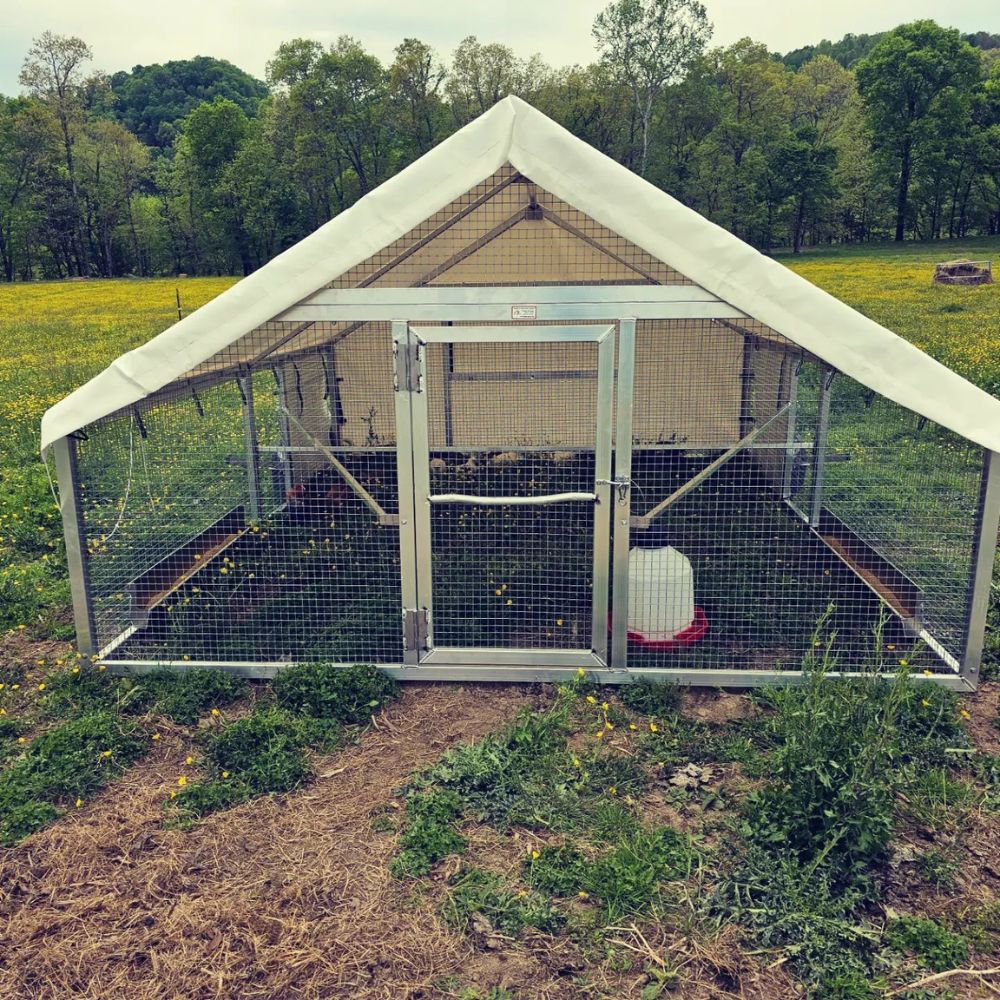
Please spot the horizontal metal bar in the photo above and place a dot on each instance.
(529, 448)
(531, 674)
(471, 311)
(539, 501)
(488, 656)
(532, 376)
(117, 641)
(512, 334)
(510, 295)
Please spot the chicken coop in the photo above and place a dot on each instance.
(518, 413)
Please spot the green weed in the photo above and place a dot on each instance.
(181, 696)
(935, 799)
(627, 880)
(67, 762)
(933, 946)
(184, 696)
(939, 867)
(521, 775)
(658, 698)
(261, 754)
(801, 910)
(475, 892)
(348, 695)
(429, 834)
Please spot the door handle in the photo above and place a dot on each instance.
(539, 501)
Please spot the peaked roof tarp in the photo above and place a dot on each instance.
(514, 132)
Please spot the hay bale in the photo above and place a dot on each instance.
(964, 272)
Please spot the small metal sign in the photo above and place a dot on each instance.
(524, 312)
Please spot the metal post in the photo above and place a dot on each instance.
(746, 386)
(252, 449)
(606, 495)
(981, 578)
(407, 519)
(623, 494)
(819, 453)
(75, 535)
(284, 432)
(791, 452)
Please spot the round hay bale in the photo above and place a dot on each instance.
(964, 272)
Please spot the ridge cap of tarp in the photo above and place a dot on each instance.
(514, 132)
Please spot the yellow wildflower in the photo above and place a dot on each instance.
(182, 780)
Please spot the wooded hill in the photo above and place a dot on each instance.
(194, 166)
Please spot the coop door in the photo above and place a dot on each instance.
(510, 435)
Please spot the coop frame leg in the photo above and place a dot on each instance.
(819, 453)
(75, 535)
(984, 548)
(250, 443)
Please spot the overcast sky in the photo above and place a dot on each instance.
(123, 33)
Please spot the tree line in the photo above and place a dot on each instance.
(194, 167)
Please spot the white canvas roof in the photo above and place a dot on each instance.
(514, 132)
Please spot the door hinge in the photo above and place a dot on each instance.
(406, 373)
(416, 624)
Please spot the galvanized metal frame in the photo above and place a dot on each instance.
(528, 674)
(497, 304)
(623, 493)
(75, 536)
(539, 304)
(984, 549)
(254, 497)
(819, 452)
(419, 456)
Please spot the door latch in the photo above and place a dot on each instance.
(621, 484)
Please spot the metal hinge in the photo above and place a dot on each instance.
(406, 373)
(416, 624)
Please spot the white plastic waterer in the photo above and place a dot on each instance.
(660, 593)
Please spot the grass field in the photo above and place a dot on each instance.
(329, 835)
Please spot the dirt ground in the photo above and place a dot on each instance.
(291, 897)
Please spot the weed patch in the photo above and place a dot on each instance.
(261, 754)
(321, 691)
(478, 900)
(802, 911)
(932, 946)
(657, 698)
(429, 834)
(66, 763)
(627, 880)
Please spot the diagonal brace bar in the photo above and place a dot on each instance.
(376, 508)
(645, 520)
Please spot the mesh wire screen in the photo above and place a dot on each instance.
(510, 575)
(766, 516)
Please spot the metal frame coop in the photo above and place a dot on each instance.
(450, 431)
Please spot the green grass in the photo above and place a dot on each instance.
(61, 767)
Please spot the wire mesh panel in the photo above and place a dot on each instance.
(518, 421)
(242, 524)
(907, 491)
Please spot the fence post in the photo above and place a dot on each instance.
(984, 546)
(75, 535)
